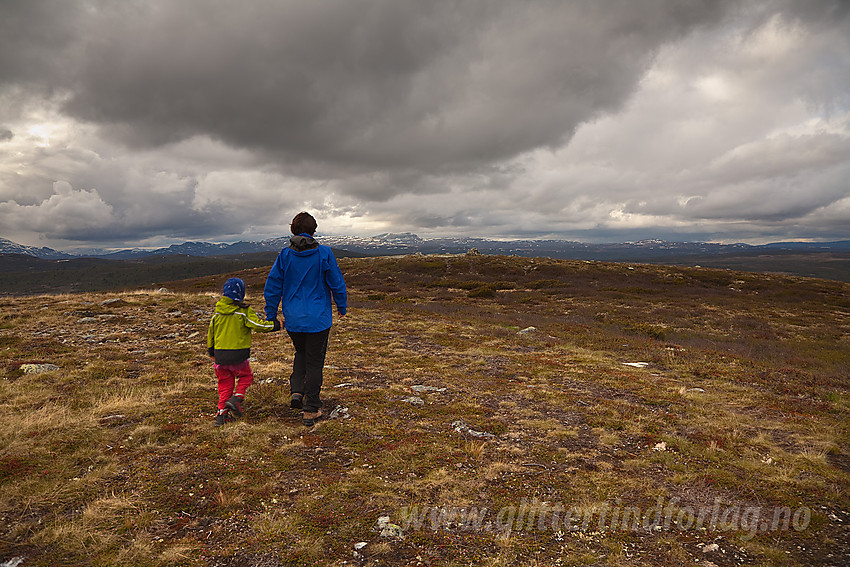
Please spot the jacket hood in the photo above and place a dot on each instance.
(302, 243)
(227, 306)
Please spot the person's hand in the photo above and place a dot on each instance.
(276, 325)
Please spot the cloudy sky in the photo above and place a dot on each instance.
(143, 123)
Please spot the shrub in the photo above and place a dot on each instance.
(483, 291)
(546, 283)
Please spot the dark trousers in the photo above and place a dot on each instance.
(306, 378)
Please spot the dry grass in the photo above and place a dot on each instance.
(113, 459)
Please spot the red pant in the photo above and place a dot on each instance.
(230, 375)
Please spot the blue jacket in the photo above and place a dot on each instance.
(303, 279)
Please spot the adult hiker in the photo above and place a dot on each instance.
(303, 280)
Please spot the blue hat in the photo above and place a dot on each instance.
(234, 288)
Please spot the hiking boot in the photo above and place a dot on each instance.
(311, 417)
(234, 404)
(296, 401)
(223, 418)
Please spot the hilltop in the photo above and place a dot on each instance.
(472, 393)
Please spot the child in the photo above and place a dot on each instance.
(229, 345)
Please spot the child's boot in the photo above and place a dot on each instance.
(234, 404)
(222, 418)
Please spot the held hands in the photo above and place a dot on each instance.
(277, 325)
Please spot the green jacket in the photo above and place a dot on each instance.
(229, 335)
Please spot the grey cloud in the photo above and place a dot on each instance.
(35, 40)
(377, 83)
(782, 156)
(485, 118)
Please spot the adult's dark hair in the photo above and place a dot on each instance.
(303, 223)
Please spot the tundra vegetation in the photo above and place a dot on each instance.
(543, 386)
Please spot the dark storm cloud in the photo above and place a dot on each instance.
(34, 37)
(377, 83)
(160, 119)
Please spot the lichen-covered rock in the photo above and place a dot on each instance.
(38, 368)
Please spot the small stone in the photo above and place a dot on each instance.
(392, 531)
(114, 302)
(461, 427)
(662, 446)
(86, 320)
(697, 390)
(360, 545)
(637, 364)
(37, 368)
(111, 418)
(414, 400)
(421, 388)
(338, 412)
(527, 330)
(710, 547)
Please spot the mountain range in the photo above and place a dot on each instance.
(409, 243)
(28, 269)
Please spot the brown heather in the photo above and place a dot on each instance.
(113, 459)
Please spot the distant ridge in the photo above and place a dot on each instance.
(9, 247)
(410, 243)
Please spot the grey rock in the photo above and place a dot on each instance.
(420, 388)
(461, 427)
(38, 368)
(389, 529)
(392, 531)
(710, 547)
(339, 412)
(414, 400)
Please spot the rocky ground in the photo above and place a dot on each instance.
(486, 410)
